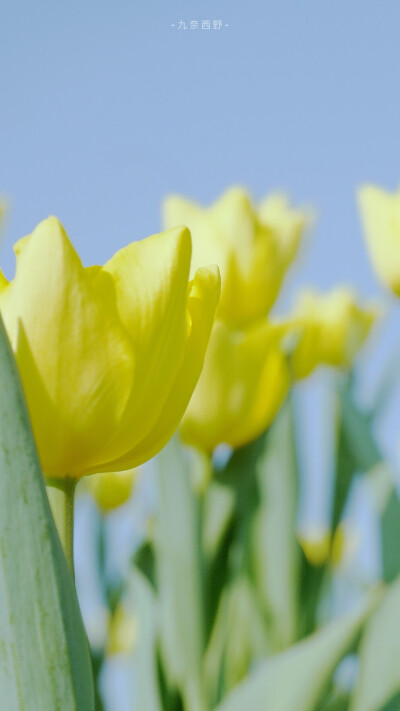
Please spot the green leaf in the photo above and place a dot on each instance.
(386, 505)
(379, 679)
(262, 477)
(276, 551)
(393, 704)
(239, 638)
(246, 632)
(218, 531)
(146, 690)
(387, 386)
(217, 515)
(314, 581)
(390, 537)
(44, 654)
(179, 572)
(356, 449)
(294, 680)
(143, 559)
(339, 702)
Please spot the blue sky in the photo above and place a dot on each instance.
(106, 108)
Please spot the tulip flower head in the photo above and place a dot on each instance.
(108, 356)
(243, 383)
(320, 546)
(253, 248)
(315, 542)
(380, 212)
(331, 328)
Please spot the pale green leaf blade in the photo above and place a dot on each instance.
(379, 679)
(356, 450)
(276, 551)
(145, 690)
(44, 655)
(180, 576)
(390, 537)
(295, 679)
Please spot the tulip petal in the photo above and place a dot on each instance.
(3, 282)
(73, 354)
(237, 221)
(202, 303)
(151, 279)
(244, 382)
(208, 241)
(380, 212)
(289, 224)
(179, 211)
(331, 329)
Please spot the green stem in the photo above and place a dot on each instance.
(61, 493)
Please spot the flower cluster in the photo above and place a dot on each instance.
(110, 356)
(248, 370)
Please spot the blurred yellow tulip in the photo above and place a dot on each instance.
(380, 212)
(315, 542)
(252, 248)
(122, 632)
(329, 329)
(243, 383)
(108, 356)
(111, 489)
(320, 547)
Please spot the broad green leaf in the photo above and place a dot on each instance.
(263, 478)
(44, 654)
(246, 634)
(239, 638)
(390, 536)
(314, 580)
(379, 679)
(179, 575)
(217, 513)
(339, 702)
(356, 449)
(276, 552)
(295, 679)
(385, 501)
(393, 704)
(240, 476)
(387, 386)
(143, 559)
(146, 692)
(218, 530)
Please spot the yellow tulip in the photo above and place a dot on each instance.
(320, 547)
(111, 489)
(122, 632)
(331, 328)
(315, 542)
(108, 356)
(252, 248)
(380, 212)
(243, 383)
